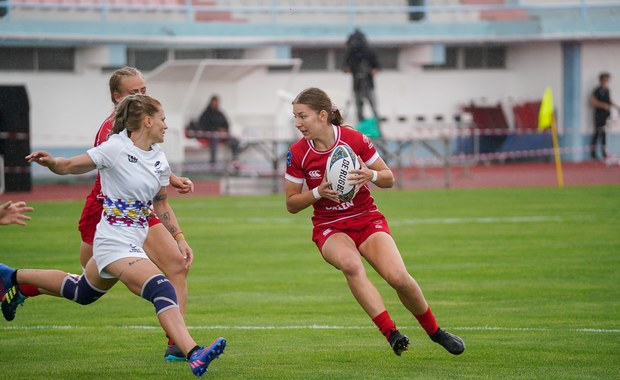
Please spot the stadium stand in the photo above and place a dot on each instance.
(453, 51)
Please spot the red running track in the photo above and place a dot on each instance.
(479, 176)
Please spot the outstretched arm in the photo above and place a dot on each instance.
(74, 165)
(12, 213)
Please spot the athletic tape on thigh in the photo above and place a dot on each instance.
(160, 292)
(78, 289)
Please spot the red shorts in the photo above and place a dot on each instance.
(358, 228)
(91, 215)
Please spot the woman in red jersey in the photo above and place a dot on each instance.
(345, 232)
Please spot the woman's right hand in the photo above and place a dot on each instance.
(42, 158)
(326, 191)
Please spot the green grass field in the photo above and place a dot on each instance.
(527, 277)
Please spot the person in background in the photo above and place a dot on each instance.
(346, 232)
(361, 61)
(134, 176)
(601, 101)
(13, 213)
(172, 257)
(214, 122)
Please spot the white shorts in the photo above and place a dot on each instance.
(113, 243)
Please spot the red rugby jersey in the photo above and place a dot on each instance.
(305, 163)
(102, 135)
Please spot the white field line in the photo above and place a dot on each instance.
(308, 327)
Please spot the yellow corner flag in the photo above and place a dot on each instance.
(546, 119)
(545, 114)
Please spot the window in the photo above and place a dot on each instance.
(451, 63)
(472, 57)
(332, 59)
(37, 59)
(496, 58)
(484, 57)
(208, 54)
(59, 59)
(146, 59)
(16, 58)
(388, 58)
(313, 59)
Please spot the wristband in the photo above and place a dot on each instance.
(315, 192)
(175, 236)
(375, 175)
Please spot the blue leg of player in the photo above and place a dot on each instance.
(7, 279)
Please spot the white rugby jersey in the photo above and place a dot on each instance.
(130, 179)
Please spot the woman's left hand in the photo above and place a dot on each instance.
(360, 176)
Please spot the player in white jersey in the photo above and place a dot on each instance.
(127, 204)
(159, 245)
(134, 175)
(345, 232)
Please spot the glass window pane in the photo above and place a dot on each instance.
(147, 60)
(339, 58)
(473, 57)
(496, 58)
(56, 59)
(451, 62)
(228, 53)
(17, 58)
(388, 58)
(193, 53)
(313, 59)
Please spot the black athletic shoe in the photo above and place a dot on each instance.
(173, 353)
(13, 299)
(398, 342)
(450, 342)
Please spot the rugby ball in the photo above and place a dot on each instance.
(342, 160)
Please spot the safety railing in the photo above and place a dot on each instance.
(347, 11)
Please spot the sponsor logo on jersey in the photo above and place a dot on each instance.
(341, 206)
(132, 159)
(289, 158)
(316, 174)
(158, 169)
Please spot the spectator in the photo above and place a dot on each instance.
(361, 61)
(214, 121)
(601, 100)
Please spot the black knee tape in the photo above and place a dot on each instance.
(160, 292)
(78, 289)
